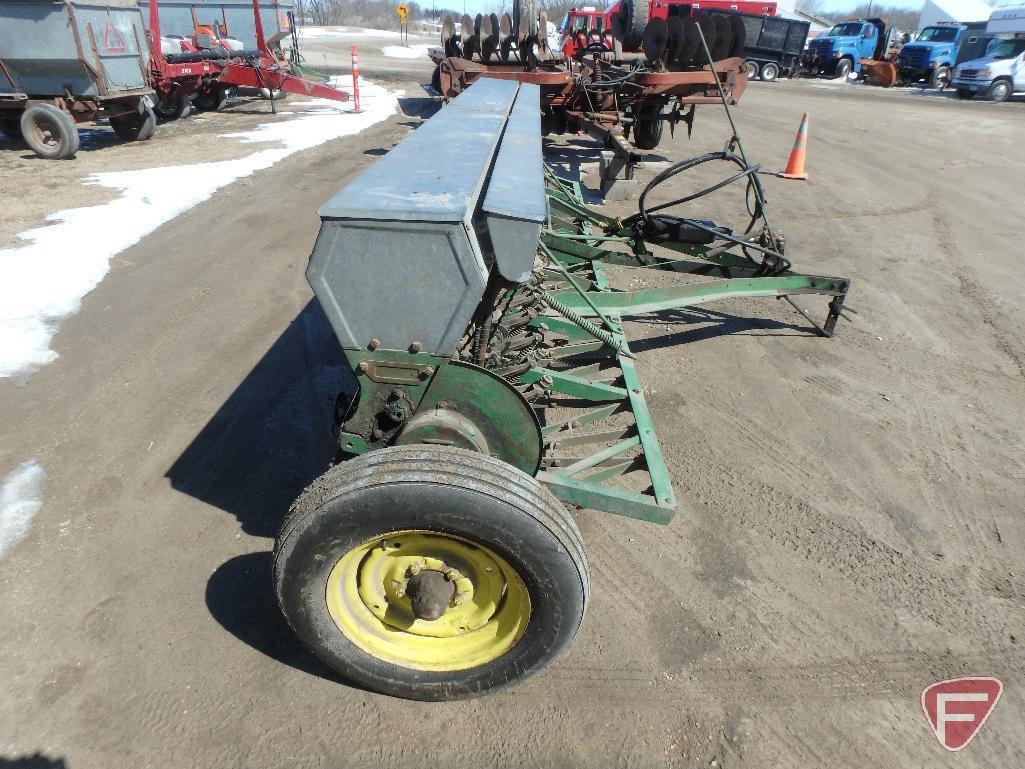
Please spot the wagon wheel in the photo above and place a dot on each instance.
(172, 109)
(11, 127)
(431, 573)
(49, 132)
(211, 99)
(135, 126)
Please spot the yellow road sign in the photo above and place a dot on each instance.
(402, 11)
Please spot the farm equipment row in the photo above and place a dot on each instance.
(492, 380)
(78, 61)
(604, 88)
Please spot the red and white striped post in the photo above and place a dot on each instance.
(355, 79)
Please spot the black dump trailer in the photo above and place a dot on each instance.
(773, 45)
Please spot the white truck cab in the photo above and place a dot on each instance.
(1001, 72)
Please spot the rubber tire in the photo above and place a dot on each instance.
(633, 17)
(174, 111)
(843, 69)
(436, 79)
(723, 37)
(404, 487)
(965, 93)
(135, 127)
(937, 81)
(61, 126)
(212, 100)
(999, 91)
(752, 70)
(647, 130)
(769, 71)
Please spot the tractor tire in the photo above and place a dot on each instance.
(350, 554)
(172, 109)
(633, 18)
(436, 79)
(50, 132)
(647, 128)
(770, 71)
(135, 126)
(965, 93)
(752, 70)
(998, 91)
(843, 69)
(940, 78)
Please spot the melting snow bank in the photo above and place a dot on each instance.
(21, 495)
(405, 52)
(43, 283)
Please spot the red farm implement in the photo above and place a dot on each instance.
(207, 68)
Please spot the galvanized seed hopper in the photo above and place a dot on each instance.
(64, 62)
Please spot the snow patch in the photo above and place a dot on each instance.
(43, 283)
(405, 52)
(21, 495)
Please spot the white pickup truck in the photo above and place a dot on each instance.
(1001, 72)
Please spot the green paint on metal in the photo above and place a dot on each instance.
(575, 387)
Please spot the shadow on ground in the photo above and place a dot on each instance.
(35, 761)
(702, 324)
(272, 436)
(240, 596)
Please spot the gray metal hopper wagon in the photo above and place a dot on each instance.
(64, 62)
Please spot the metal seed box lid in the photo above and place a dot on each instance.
(436, 174)
(517, 188)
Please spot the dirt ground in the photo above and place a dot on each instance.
(850, 522)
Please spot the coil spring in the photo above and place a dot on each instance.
(583, 323)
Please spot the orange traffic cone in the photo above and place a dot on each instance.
(795, 166)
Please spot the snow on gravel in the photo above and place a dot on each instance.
(43, 282)
(21, 495)
(405, 52)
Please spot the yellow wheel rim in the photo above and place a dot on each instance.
(366, 599)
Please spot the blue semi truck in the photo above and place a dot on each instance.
(840, 51)
(931, 59)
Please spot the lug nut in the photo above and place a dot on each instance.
(452, 575)
(458, 599)
(427, 372)
(415, 347)
(363, 366)
(415, 568)
(400, 593)
(373, 344)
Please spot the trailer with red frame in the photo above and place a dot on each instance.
(613, 90)
(588, 25)
(208, 68)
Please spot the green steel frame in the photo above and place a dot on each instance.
(576, 417)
